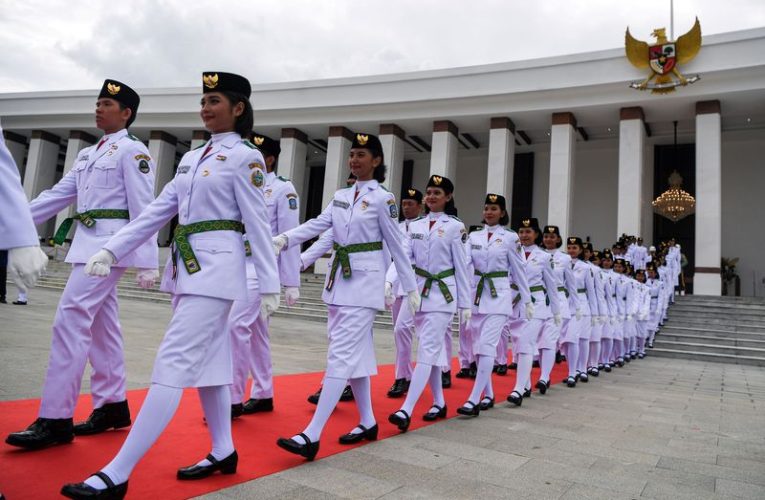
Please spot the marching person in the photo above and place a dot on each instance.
(437, 253)
(251, 345)
(111, 184)
(494, 253)
(623, 303)
(585, 301)
(216, 192)
(655, 286)
(610, 322)
(599, 318)
(566, 287)
(361, 219)
(542, 315)
(643, 312)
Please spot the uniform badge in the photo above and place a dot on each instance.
(393, 209)
(143, 167)
(440, 232)
(256, 164)
(83, 158)
(476, 247)
(498, 241)
(205, 173)
(417, 236)
(464, 235)
(183, 169)
(257, 178)
(220, 158)
(114, 147)
(340, 203)
(364, 204)
(292, 201)
(142, 156)
(268, 192)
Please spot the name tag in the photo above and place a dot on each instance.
(83, 158)
(183, 169)
(417, 236)
(476, 247)
(341, 204)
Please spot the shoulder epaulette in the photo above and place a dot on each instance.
(456, 218)
(509, 229)
(199, 146)
(418, 218)
(131, 136)
(250, 145)
(282, 178)
(384, 188)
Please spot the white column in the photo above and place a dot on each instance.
(392, 139)
(292, 160)
(499, 178)
(443, 154)
(162, 150)
(77, 141)
(198, 138)
(40, 173)
(17, 145)
(562, 150)
(336, 170)
(629, 214)
(706, 280)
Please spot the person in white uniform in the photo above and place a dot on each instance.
(495, 255)
(584, 300)
(599, 318)
(216, 192)
(362, 218)
(437, 253)
(624, 298)
(610, 322)
(655, 285)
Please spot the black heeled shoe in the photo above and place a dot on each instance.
(607, 368)
(527, 393)
(516, 398)
(473, 411)
(401, 422)
(570, 381)
(82, 491)
(307, 450)
(512, 366)
(225, 466)
(368, 434)
(542, 386)
(583, 378)
(501, 370)
(486, 403)
(431, 416)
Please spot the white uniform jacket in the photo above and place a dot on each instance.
(500, 252)
(539, 266)
(624, 295)
(318, 249)
(225, 184)
(118, 175)
(284, 214)
(16, 226)
(611, 280)
(435, 250)
(371, 218)
(564, 280)
(600, 290)
(585, 299)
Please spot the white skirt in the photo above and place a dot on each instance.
(351, 352)
(430, 334)
(487, 330)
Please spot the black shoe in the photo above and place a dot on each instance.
(473, 410)
(535, 364)
(570, 381)
(431, 416)
(641, 355)
(486, 403)
(516, 398)
(473, 370)
(237, 410)
(502, 370)
(463, 373)
(601, 367)
(42, 433)
(399, 388)
(542, 386)
(225, 466)
(258, 405)
(607, 368)
(627, 358)
(82, 491)
(109, 416)
(633, 355)
(19, 302)
(558, 358)
(593, 371)
(650, 346)
(347, 394)
(401, 422)
(583, 378)
(446, 379)
(307, 450)
(620, 362)
(512, 366)
(2, 301)
(527, 393)
(314, 398)
(496, 367)
(368, 434)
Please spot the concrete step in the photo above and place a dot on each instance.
(697, 346)
(722, 331)
(712, 313)
(724, 319)
(666, 352)
(712, 340)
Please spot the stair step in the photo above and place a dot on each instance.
(720, 331)
(754, 352)
(706, 356)
(712, 340)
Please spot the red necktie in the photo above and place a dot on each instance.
(355, 195)
(207, 150)
(101, 143)
(489, 236)
(527, 254)
(431, 224)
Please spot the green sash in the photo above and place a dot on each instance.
(487, 277)
(438, 278)
(343, 261)
(88, 219)
(181, 240)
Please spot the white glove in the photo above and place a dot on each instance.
(465, 315)
(642, 317)
(389, 298)
(630, 317)
(269, 303)
(557, 319)
(26, 264)
(279, 242)
(414, 300)
(291, 295)
(529, 310)
(614, 321)
(100, 264)
(146, 278)
(578, 314)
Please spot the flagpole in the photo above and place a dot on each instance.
(672, 20)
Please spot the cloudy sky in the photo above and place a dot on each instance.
(55, 45)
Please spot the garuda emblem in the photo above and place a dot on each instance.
(663, 58)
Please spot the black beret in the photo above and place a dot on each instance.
(412, 194)
(368, 141)
(496, 199)
(442, 182)
(574, 240)
(268, 146)
(530, 222)
(120, 93)
(552, 230)
(216, 81)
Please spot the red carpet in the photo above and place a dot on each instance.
(40, 474)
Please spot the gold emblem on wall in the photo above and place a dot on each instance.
(663, 59)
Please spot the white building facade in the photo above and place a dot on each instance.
(565, 138)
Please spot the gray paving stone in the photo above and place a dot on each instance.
(338, 482)
(728, 487)
(716, 471)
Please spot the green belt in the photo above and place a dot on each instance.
(487, 277)
(518, 296)
(247, 248)
(581, 290)
(539, 288)
(181, 240)
(563, 289)
(438, 278)
(88, 219)
(343, 261)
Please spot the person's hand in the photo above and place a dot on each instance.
(465, 315)
(389, 298)
(557, 319)
(100, 264)
(26, 265)
(414, 301)
(146, 278)
(630, 317)
(269, 303)
(279, 242)
(529, 310)
(291, 295)
(578, 314)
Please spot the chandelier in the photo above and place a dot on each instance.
(674, 203)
